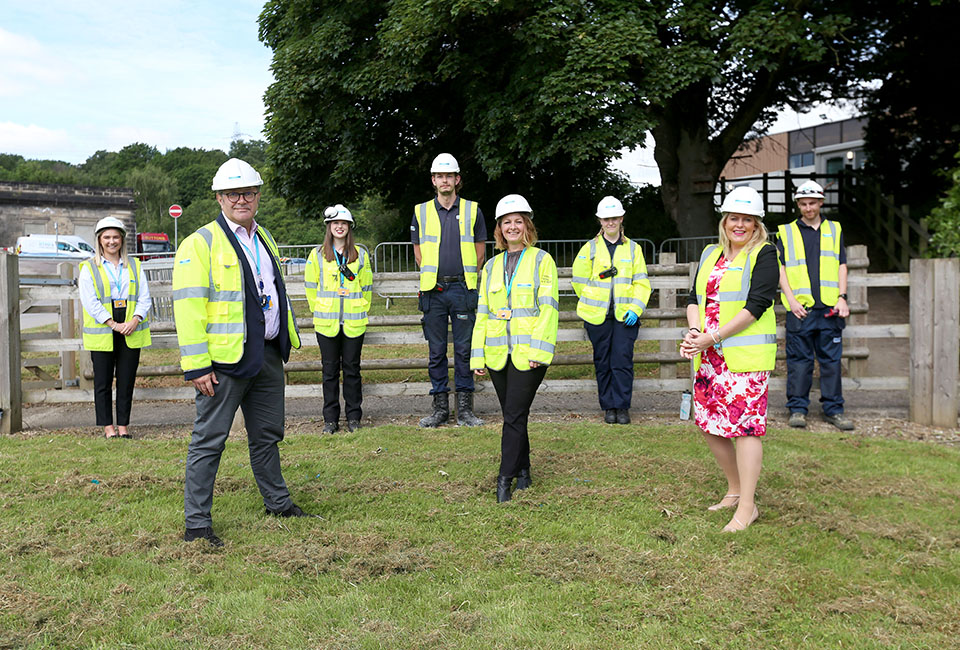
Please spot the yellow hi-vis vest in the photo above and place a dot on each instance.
(518, 319)
(98, 337)
(630, 286)
(755, 348)
(795, 259)
(334, 303)
(428, 222)
(208, 304)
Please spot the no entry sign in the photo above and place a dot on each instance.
(175, 210)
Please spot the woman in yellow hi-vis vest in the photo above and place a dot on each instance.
(733, 342)
(516, 331)
(610, 279)
(339, 288)
(116, 301)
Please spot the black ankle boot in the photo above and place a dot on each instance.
(503, 488)
(523, 479)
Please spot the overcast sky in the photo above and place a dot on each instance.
(78, 77)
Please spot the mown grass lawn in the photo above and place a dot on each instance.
(858, 544)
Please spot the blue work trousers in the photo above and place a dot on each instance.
(449, 302)
(613, 360)
(814, 337)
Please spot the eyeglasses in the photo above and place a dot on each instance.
(233, 197)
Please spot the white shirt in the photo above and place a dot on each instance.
(91, 303)
(250, 245)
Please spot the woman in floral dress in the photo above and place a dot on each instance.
(732, 340)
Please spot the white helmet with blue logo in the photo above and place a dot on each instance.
(445, 163)
(235, 173)
(743, 200)
(513, 203)
(608, 207)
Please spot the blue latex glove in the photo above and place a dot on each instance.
(631, 318)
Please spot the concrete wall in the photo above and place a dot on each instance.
(37, 208)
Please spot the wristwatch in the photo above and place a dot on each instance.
(843, 295)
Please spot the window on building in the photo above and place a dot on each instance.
(801, 160)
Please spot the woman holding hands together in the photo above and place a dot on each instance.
(732, 340)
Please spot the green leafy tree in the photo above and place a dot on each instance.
(154, 191)
(539, 96)
(944, 219)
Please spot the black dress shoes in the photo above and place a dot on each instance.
(202, 533)
(610, 417)
(503, 488)
(623, 416)
(331, 427)
(292, 511)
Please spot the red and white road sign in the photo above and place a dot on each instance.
(175, 210)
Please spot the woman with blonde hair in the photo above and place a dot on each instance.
(516, 331)
(339, 288)
(116, 300)
(733, 342)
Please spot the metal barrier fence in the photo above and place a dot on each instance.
(397, 257)
(688, 249)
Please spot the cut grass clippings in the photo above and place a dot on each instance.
(857, 545)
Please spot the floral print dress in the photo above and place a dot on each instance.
(728, 404)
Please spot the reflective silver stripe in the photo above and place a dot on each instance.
(191, 292)
(421, 222)
(333, 315)
(594, 303)
(428, 269)
(310, 285)
(750, 339)
(639, 303)
(429, 239)
(142, 325)
(824, 253)
(580, 279)
(320, 261)
(356, 295)
(791, 248)
(513, 339)
(483, 309)
(593, 248)
(623, 301)
(494, 341)
(600, 284)
(803, 292)
(226, 296)
(96, 329)
(707, 252)
(207, 235)
(476, 353)
(537, 344)
(548, 300)
(193, 348)
(622, 280)
(520, 339)
(469, 269)
(732, 296)
(829, 283)
(526, 312)
(639, 276)
(224, 328)
(466, 222)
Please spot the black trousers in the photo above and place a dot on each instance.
(338, 352)
(123, 361)
(515, 390)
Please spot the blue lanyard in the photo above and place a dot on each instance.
(246, 248)
(515, 269)
(114, 279)
(340, 262)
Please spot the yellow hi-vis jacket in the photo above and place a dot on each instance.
(755, 348)
(208, 298)
(334, 300)
(518, 319)
(428, 222)
(630, 287)
(98, 337)
(795, 262)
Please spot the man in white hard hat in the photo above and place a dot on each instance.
(448, 235)
(813, 282)
(235, 327)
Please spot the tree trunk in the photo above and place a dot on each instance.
(689, 171)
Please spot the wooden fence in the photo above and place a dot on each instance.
(933, 381)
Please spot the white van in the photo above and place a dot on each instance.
(54, 246)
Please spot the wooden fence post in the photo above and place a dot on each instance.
(668, 300)
(11, 391)
(934, 341)
(68, 330)
(857, 296)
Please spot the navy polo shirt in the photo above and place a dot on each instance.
(451, 262)
(811, 248)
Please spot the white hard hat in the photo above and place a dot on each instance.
(445, 163)
(110, 222)
(513, 203)
(743, 200)
(609, 206)
(235, 173)
(337, 213)
(809, 190)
